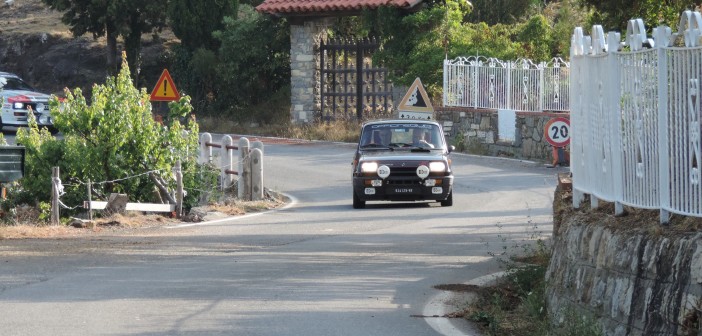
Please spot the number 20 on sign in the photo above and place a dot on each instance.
(557, 131)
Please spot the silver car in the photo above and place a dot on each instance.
(18, 99)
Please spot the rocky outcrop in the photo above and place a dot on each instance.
(633, 280)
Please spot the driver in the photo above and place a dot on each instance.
(420, 138)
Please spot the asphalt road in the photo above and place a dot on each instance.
(316, 267)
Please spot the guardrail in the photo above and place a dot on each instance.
(249, 164)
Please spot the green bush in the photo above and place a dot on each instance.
(113, 141)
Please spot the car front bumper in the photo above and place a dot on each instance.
(374, 189)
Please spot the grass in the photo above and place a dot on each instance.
(341, 131)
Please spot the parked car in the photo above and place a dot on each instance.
(18, 98)
(402, 160)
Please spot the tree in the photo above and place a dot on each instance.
(255, 56)
(194, 21)
(414, 45)
(501, 11)
(614, 14)
(112, 19)
(536, 38)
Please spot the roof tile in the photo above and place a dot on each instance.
(328, 6)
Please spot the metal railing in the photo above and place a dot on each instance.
(635, 117)
(519, 85)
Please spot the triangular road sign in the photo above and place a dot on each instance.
(165, 89)
(416, 99)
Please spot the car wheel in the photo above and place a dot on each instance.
(449, 200)
(357, 203)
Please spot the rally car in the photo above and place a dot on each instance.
(18, 99)
(402, 160)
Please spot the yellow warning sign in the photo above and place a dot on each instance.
(416, 99)
(165, 89)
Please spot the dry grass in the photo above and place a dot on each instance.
(32, 227)
(31, 17)
(338, 131)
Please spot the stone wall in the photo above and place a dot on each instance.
(476, 131)
(305, 38)
(631, 280)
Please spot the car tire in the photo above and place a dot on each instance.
(357, 203)
(449, 200)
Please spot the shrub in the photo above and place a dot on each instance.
(113, 141)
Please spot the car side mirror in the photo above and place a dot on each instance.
(451, 148)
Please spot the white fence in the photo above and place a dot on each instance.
(520, 85)
(635, 117)
(249, 164)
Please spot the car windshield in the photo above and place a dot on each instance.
(401, 135)
(13, 83)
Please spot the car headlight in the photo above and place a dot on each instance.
(437, 167)
(369, 167)
(18, 106)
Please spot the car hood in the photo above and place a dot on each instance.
(33, 96)
(382, 156)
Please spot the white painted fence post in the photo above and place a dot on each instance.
(226, 162)
(661, 38)
(613, 95)
(244, 183)
(55, 173)
(205, 150)
(256, 160)
(179, 189)
(257, 144)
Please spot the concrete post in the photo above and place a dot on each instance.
(226, 162)
(244, 183)
(256, 160)
(205, 150)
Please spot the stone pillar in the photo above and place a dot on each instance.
(304, 68)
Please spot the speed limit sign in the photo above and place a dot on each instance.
(557, 132)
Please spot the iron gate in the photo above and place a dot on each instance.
(350, 86)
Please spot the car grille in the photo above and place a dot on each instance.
(403, 175)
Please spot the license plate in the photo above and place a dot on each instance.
(403, 190)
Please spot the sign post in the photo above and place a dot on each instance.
(557, 133)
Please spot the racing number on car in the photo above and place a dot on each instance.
(557, 131)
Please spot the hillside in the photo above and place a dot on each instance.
(37, 46)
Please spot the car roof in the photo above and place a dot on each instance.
(401, 121)
(7, 74)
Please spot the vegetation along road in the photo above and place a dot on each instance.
(316, 267)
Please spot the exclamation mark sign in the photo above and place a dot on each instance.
(165, 88)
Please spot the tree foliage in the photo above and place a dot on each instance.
(493, 12)
(114, 141)
(614, 14)
(255, 56)
(194, 21)
(112, 19)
